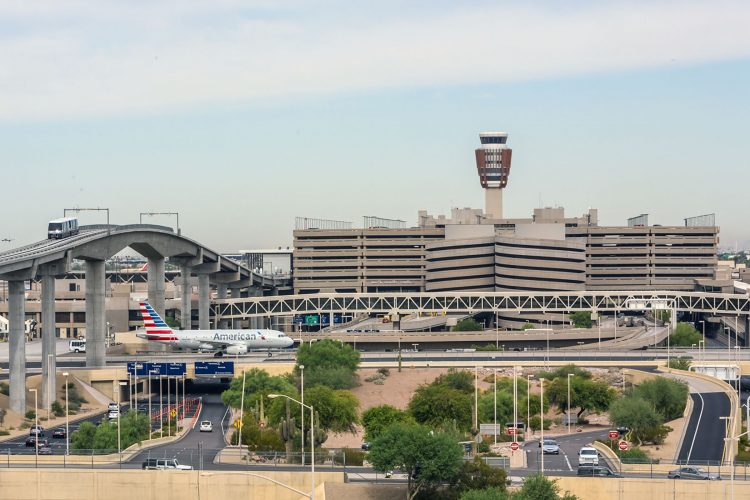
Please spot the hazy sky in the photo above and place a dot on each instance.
(241, 115)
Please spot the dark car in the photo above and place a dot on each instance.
(365, 446)
(596, 471)
(32, 441)
(59, 434)
(622, 431)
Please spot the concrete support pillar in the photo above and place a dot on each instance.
(221, 293)
(96, 320)
(17, 346)
(747, 332)
(49, 385)
(204, 290)
(185, 298)
(156, 285)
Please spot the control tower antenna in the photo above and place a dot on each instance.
(493, 166)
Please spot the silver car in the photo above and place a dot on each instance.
(692, 473)
(550, 447)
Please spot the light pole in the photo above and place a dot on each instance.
(36, 422)
(50, 392)
(161, 406)
(67, 420)
(515, 404)
(701, 357)
(242, 409)
(541, 426)
(476, 397)
(150, 373)
(497, 334)
(569, 375)
(312, 439)
(495, 407)
(728, 333)
(704, 340)
(302, 419)
(528, 401)
(119, 412)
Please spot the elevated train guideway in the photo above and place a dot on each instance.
(50, 258)
(472, 303)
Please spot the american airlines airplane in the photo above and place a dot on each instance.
(221, 341)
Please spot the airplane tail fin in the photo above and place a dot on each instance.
(156, 328)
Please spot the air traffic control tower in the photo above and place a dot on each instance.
(493, 167)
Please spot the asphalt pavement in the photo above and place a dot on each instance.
(703, 443)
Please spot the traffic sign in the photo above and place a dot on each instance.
(623, 445)
(237, 424)
(511, 430)
(514, 446)
(614, 434)
(173, 413)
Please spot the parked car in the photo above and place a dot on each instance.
(59, 434)
(588, 456)
(36, 430)
(206, 426)
(596, 471)
(550, 447)
(622, 431)
(365, 446)
(692, 473)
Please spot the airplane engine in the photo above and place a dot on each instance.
(237, 349)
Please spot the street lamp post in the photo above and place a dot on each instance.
(515, 404)
(495, 407)
(67, 419)
(302, 413)
(161, 406)
(36, 422)
(242, 410)
(528, 401)
(728, 333)
(541, 426)
(119, 412)
(569, 375)
(703, 324)
(312, 439)
(497, 334)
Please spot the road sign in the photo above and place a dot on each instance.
(237, 424)
(514, 446)
(511, 431)
(623, 445)
(614, 434)
(214, 367)
(173, 413)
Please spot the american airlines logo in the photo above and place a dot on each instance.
(235, 336)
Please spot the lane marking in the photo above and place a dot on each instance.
(568, 461)
(697, 426)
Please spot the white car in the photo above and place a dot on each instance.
(113, 407)
(588, 456)
(206, 426)
(113, 414)
(166, 464)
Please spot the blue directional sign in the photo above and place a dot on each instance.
(175, 369)
(214, 368)
(138, 369)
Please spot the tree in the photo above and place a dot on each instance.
(337, 409)
(438, 404)
(637, 415)
(685, 335)
(585, 394)
(681, 363)
(457, 379)
(538, 487)
(428, 457)
(581, 319)
(504, 407)
(257, 438)
(485, 494)
(328, 362)
(668, 397)
(378, 418)
(477, 475)
(468, 325)
(83, 438)
(258, 384)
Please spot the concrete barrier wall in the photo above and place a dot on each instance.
(58, 484)
(652, 489)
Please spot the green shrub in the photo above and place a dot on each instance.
(384, 371)
(4, 388)
(57, 409)
(30, 415)
(581, 319)
(349, 456)
(468, 325)
(3, 432)
(681, 363)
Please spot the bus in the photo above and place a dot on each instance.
(77, 345)
(62, 228)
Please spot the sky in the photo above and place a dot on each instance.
(242, 115)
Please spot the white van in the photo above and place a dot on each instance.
(77, 345)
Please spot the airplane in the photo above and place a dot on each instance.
(221, 341)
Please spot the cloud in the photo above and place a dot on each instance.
(92, 59)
